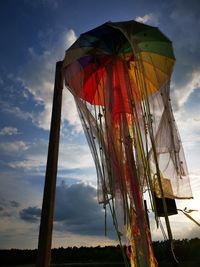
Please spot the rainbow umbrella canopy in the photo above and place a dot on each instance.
(127, 42)
(119, 74)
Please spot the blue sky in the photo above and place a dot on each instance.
(34, 35)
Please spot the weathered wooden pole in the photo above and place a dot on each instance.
(46, 223)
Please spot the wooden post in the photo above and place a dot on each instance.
(46, 223)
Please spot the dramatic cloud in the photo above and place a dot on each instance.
(187, 118)
(8, 208)
(185, 20)
(14, 203)
(38, 78)
(181, 94)
(31, 214)
(26, 101)
(6, 203)
(76, 211)
(4, 212)
(9, 131)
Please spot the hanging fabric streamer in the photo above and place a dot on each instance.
(119, 74)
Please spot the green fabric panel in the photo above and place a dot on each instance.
(151, 35)
(161, 48)
(151, 40)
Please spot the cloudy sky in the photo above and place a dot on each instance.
(34, 35)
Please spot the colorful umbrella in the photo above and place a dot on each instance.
(143, 50)
(119, 75)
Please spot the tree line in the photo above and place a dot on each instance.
(185, 251)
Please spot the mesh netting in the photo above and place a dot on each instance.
(133, 137)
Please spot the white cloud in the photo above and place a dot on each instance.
(14, 147)
(148, 18)
(69, 111)
(38, 78)
(33, 158)
(16, 111)
(182, 94)
(89, 176)
(34, 164)
(71, 156)
(43, 119)
(8, 130)
(75, 156)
